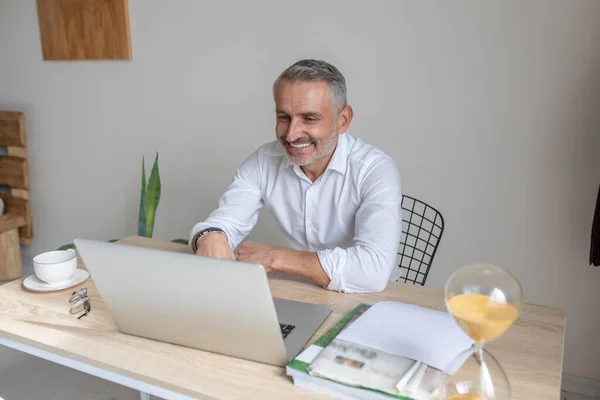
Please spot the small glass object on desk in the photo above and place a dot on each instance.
(485, 300)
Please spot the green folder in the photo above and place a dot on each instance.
(323, 341)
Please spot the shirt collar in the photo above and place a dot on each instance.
(338, 162)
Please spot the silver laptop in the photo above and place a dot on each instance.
(209, 304)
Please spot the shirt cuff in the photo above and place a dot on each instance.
(333, 262)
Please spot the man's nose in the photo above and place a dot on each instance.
(294, 132)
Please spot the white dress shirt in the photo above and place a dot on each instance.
(350, 216)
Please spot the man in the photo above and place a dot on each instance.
(336, 198)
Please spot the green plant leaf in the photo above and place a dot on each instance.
(142, 215)
(181, 241)
(152, 197)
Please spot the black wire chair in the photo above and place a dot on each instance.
(422, 228)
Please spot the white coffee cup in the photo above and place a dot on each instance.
(55, 267)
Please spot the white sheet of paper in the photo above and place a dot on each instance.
(419, 333)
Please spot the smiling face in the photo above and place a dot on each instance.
(306, 123)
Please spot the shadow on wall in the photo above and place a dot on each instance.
(149, 199)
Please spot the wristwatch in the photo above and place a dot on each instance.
(205, 232)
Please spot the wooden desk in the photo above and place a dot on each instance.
(39, 323)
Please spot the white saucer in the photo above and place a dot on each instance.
(32, 282)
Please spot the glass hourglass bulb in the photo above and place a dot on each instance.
(485, 300)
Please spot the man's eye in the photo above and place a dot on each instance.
(282, 117)
(311, 119)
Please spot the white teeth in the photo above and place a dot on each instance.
(300, 146)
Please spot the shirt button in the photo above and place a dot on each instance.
(310, 225)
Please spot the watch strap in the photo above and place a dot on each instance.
(205, 232)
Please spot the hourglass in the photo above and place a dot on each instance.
(485, 300)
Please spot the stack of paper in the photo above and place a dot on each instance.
(422, 334)
(390, 349)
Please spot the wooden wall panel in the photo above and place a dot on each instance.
(12, 129)
(13, 172)
(11, 265)
(17, 221)
(10, 221)
(84, 29)
(16, 151)
(19, 207)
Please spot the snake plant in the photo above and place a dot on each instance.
(149, 199)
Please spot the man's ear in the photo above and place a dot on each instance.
(344, 119)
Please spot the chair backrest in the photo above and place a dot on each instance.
(14, 176)
(422, 228)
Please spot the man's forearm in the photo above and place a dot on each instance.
(302, 263)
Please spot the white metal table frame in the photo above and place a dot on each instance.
(145, 389)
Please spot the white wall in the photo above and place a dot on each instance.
(491, 110)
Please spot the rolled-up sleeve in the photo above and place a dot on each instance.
(239, 206)
(367, 265)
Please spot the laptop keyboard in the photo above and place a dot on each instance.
(286, 329)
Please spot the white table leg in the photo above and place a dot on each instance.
(144, 388)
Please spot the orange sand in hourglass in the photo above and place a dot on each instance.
(480, 317)
(465, 396)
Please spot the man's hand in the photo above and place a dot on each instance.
(215, 245)
(302, 263)
(257, 253)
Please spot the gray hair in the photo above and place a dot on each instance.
(317, 70)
